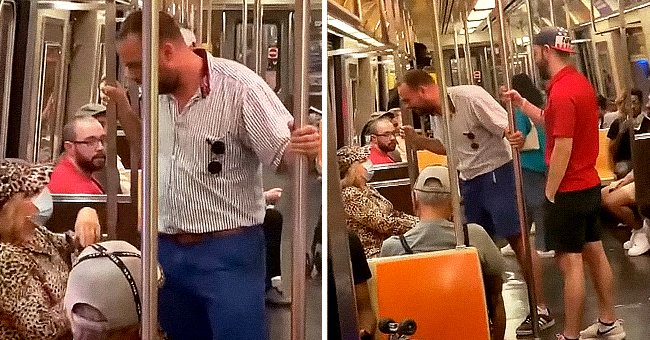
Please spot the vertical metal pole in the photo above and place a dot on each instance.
(552, 14)
(521, 208)
(112, 175)
(494, 56)
(456, 52)
(467, 52)
(300, 109)
(446, 116)
(244, 32)
(222, 40)
(150, 16)
(337, 235)
(257, 33)
(208, 31)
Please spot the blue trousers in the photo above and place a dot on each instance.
(214, 289)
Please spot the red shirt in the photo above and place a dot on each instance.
(68, 179)
(377, 156)
(572, 112)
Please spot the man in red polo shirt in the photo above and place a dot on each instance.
(573, 187)
(383, 140)
(83, 140)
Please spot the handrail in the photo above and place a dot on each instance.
(300, 169)
(533, 67)
(468, 54)
(493, 55)
(257, 28)
(150, 48)
(446, 117)
(519, 193)
(244, 32)
(112, 175)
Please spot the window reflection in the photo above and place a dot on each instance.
(48, 109)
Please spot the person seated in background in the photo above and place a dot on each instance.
(602, 109)
(273, 238)
(83, 140)
(103, 295)
(612, 112)
(34, 262)
(367, 320)
(619, 199)
(435, 231)
(370, 214)
(383, 141)
(98, 111)
(618, 133)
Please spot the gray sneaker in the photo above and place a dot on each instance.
(526, 327)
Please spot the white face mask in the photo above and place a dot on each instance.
(45, 206)
(369, 171)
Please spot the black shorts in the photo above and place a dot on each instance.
(573, 220)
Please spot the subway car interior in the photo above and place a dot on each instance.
(370, 44)
(56, 54)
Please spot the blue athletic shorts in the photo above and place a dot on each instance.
(490, 202)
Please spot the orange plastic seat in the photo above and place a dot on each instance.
(442, 291)
(428, 158)
(604, 164)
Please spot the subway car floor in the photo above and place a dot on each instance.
(279, 317)
(632, 289)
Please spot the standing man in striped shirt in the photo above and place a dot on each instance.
(219, 123)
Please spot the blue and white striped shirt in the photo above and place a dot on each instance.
(245, 114)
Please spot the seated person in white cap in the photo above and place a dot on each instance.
(103, 299)
(34, 262)
(435, 231)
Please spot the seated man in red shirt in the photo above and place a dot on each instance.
(83, 140)
(383, 140)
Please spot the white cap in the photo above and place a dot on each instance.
(188, 36)
(438, 173)
(99, 282)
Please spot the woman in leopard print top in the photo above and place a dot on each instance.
(34, 262)
(370, 214)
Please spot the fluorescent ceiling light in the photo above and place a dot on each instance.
(478, 15)
(344, 27)
(473, 24)
(484, 4)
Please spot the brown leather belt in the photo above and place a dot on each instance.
(192, 238)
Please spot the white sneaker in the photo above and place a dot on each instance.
(628, 244)
(546, 254)
(600, 331)
(641, 244)
(507, 251)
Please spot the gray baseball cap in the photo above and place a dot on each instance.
(98, 281)
(90, 110)
(436, 173)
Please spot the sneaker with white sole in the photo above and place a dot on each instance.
(546, 254)
(641, 244)
(628, 244)
(599, 331)
(507, 251)
(526, 328)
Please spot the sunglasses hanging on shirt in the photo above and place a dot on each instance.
(217, 148)
(470, 135)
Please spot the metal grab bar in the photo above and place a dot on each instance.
(150, 48)
(300, 170)
(257, 20)
(468, 54)
(494, 57)
(112, 175)
(521, 208)
(446, 116)
(244, 32)
(456, 51)
(533, 67)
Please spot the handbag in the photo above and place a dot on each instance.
(532, 139)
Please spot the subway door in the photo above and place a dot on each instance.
(276, 60)
(48, 94)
